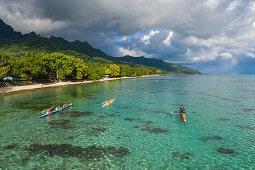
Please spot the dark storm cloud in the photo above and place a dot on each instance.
(212, 32)
(128, 17)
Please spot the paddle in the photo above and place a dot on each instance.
(171, 113)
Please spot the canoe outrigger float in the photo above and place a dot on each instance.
(183, 115)
(56, 111)
(107, 102)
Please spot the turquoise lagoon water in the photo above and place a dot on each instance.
(135, 132)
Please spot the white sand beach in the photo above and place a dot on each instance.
(13, 89)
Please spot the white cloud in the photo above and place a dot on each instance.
(233, 5)
(211, 4)
(249, 54)
(252, 6)
(134, 53)
(124, 38)
(188, 54)
(191, 41)
(146, 38)
(226, 55)
(168, 38)
(205, 56)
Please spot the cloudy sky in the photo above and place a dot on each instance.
(212, 36)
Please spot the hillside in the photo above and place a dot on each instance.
(16, 44)
(160, 64)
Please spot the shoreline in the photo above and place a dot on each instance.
(13, 89)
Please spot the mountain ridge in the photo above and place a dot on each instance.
(160, 64)
(18, 43)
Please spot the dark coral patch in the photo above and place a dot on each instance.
(87, 113)
(111, 115)
(246, 127)
(58, 122)
(75, 115)
(181, 155)
(79, 114)
(67, 150)
(63, 150)
(117, 152)
(129, 119)
(225, 151)
(154, 130)
(223, 119)
(8, 147)
(101, 116)
(152, 92)
(136, 126)
(143, 109)
(248, 110)
(222, 98)
(184, 157)
(99, 129)
(182, 94)
(217, 138)
(175, 153)
(146, 122)
(204, 139)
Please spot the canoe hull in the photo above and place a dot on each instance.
(184, 118)
(55, 111)
(107, 104)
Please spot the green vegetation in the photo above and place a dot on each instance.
(58, 66)
(4, 67)
(33, 57)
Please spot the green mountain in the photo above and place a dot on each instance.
(6, 31)
(160, 64)
(16, 44)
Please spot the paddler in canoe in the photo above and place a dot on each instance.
(182, 109)
(183, 113)
(108, 101)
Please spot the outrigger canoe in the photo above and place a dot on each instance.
(55, 111)
(183, 116)
(106, 103)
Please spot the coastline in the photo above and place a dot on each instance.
(13, 89)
